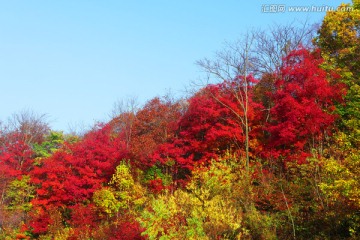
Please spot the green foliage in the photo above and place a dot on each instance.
(304, 198)
(160, 222)
(123, 192)
(210, 192)
(213, 205)
(122, 179)
(129, 193)
(52, 142)
(19, 193)
(351, 116)
(155, 172)
(105, 200)
(339, 40)
(343, 180)
(341, 187)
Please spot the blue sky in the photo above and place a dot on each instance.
(72, 59)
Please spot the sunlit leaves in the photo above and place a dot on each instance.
(339, 40)
(303, 106)
(19, 193)
(342, 180)
(105, 200)
(207, 208)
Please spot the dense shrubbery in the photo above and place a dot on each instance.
(270, 155)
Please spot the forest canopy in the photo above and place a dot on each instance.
(268, 148)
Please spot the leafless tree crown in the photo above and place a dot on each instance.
(258, 52)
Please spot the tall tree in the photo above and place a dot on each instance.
(232, 67)
(123, 117)
(276, 42)
(339, 41)
(258, 53)
(303, 107)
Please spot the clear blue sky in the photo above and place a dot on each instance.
(72, 59)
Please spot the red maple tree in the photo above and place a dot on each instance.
(303, 109)
(70, 176)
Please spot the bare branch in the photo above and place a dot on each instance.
(31, 126)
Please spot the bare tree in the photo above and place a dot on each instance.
(232, 67)
(123, 117)
(121, 106)
(276, 42)
(32, 127)
(78, 129)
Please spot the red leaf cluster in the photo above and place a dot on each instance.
(303, 106)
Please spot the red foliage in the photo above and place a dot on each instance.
(205, 129)
(16, 159)
(83, 216)
(154, 124)
(39, 220)
(69, 177)
(303, 106)
(211, 125)
(84, 221)
(73, 173)
(156, 185)
(16, 156)
(126, 230)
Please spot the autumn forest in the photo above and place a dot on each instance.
(266, 146)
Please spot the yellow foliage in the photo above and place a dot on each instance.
(123, 192)
(105, 200)
(343, 180)
(207, 208)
